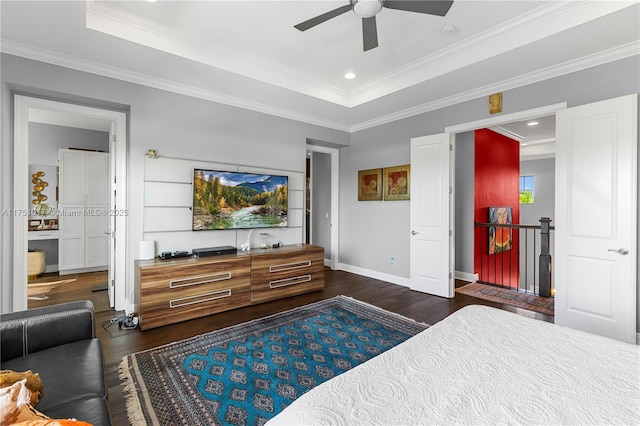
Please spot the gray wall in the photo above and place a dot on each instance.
(321, 204)
(176, 125)
(544, 172)
(370, 232)
(383, 228)
(46, 139)
(464, 201)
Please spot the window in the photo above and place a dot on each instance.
(526, 189)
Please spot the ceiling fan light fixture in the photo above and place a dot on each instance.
(366, 8)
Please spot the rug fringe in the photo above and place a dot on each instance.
(382, 309)
(129, 389)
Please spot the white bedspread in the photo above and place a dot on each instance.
(483, 366)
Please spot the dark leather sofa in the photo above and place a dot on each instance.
(59, 343)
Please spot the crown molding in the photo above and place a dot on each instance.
(617, 53)
(548, 19)
(112, 19)
(506, 133)
(54, 58)
(542, 22)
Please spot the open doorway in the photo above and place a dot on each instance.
(68, 248)
(477, 180)
(321, 219)
(33, 115)
(508, 125)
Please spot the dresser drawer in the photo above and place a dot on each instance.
(278, 275)
(183, 291)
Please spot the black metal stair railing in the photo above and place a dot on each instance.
(527, 268)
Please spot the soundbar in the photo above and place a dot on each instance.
(213, 251)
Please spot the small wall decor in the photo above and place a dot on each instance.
(499, 237)
(495, 103)
(38, 187)
(396, 183)
(152, 153)
(370, 185)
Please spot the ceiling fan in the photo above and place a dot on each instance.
(368, 9)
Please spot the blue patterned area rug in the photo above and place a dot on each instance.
(248, 373)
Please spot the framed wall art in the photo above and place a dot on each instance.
(397, 183)
(499, 237)
(370, 185)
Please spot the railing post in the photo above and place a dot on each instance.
(545, 258)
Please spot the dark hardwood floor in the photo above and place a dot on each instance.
(421, 307)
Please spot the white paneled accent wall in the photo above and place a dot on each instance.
(167, 207)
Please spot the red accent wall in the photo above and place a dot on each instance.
(497, 184)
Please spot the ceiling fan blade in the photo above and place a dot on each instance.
(369, 33)
(431, 7)
(303, 26)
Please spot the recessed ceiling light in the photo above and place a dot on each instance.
(532, 123)
(349, 76)
(448, 30)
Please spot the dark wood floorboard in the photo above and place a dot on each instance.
(118, 343)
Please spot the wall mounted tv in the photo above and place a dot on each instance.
(234, 200)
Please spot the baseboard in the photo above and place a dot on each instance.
(327, 263)
(466, 276)
(50, 268)
(394, 279)
(83, 270)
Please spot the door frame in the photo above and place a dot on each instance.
(335, 197)
(479, 124)
(24, 107)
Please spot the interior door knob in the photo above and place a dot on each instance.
(622, 251)
(414, 233)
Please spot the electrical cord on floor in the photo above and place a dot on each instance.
(128, 322)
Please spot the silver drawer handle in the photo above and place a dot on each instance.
(622, 251)
(289, 266)
(289, 281)
(185, 301)
(204, 279)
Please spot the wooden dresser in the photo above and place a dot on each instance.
(286, 271)
(170, 291)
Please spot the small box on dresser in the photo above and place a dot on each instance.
(286, 271)
(170, 291)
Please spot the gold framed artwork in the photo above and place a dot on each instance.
(495, 103)
(370, 185)
(397, 183)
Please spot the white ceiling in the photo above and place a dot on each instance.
(247, 53)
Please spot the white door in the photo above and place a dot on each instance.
(71, 254)
(97, 209)
(71, 177)
(431, 267)
(596, 216)
(71, 237)
(111, 259)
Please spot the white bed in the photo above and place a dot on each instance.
(482, 365)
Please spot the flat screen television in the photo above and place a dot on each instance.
(234, 200)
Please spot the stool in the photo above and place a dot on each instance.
(37, 263)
